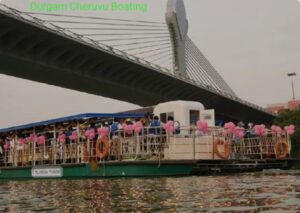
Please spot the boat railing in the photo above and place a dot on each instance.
(147, 144)
(258, 147)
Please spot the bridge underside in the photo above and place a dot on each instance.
(33, 53)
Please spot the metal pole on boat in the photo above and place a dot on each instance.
(194, 143)
(15, 148)
(33, 159)
(77, 142)
(261, 148)
(54, 146)
(212, 144)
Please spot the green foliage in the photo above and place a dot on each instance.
(286, 118)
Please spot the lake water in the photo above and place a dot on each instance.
(251, 192)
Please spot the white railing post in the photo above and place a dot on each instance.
(54, 145)
(194, 143)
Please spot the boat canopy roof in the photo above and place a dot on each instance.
(72, 118)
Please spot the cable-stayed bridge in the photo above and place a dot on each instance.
(141, 62)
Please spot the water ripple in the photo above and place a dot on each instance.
(252, 192)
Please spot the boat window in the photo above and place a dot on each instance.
(194, 116)
(170, 114)
(163, 117)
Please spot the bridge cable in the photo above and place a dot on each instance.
(158, 53)
(149, 46)
(149, 51)
(129, 44)
(118, 34)
(135, 38)
(118, 29)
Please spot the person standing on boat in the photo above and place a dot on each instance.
(69, 145)
(1, 152)
(115, 128)
(155, 125)
(146, 120)
(176, 124)
(250, 131)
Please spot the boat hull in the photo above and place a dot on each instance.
(90, 170)
(143, 168)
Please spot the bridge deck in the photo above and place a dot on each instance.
(32, 52)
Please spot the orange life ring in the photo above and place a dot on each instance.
(281, 154)
(223, 155)
(105, 153)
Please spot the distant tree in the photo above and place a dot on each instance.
(286, 118)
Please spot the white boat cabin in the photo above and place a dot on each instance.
(187, 113)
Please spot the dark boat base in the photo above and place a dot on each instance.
(151, 168)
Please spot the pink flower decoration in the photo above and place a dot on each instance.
(90, 134)
(138, 126)
(276, 130)
(103, 131)
(6, 145)
(260, 130)
(41, 140)
(169, 126)
(128, 129)
(202, 126)
(239, 132)
(74, 136)
(290, 130)
(62, 138)
(21, 141)
(31, 139)
(229, 127)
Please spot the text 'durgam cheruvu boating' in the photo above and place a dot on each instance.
(179, 138)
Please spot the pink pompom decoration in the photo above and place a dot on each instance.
(273, 128)
(28, 139)
(138, 126)
(21, 141)
(31, 139)
(260, 130)
(90, 134)
(86, 133)
(128, 129)
(169, 126)
(103, 131)
(239, 132)
(276, 130)
(62, 138)
(202, 126)
(74, 136)
(230, 127)
(41, 140)
(290, 130)
(171, 129)
(6, 146)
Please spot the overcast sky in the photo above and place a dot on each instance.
(252, 43)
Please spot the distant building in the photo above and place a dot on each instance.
(276, 108)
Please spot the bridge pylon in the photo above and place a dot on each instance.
(178, 27)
